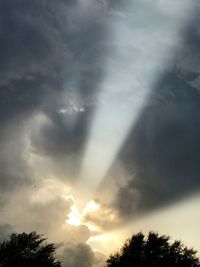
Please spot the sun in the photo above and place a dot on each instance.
(76, 218)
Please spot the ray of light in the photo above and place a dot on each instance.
(145, 40)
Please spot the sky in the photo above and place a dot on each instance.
(99, 122)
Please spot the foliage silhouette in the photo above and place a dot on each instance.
(153, 251)
(27, 250)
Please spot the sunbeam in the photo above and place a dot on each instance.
(142, 49)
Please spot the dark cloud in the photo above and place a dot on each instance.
(161, 153)
(32, 53)
(44, 49)
(52, 55)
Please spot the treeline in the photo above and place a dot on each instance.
(33, 250)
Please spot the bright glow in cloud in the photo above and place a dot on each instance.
(77, 218)
(74, 217)
(91, 206)
(144, 42)
(107, 242)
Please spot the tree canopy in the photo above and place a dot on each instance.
(153, 251)
(27, 250)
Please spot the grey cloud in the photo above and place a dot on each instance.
(64, 139)
(31, 40)
(5, 231)
(52, 55)
(27, 214)
(46, 217)
(29, 55)
(14, 171)
(81, 255)
(33, 54)
(161, 153)
(44, 50)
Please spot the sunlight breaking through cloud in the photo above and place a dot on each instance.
(77, 217)
(142, 48)
(74, 217)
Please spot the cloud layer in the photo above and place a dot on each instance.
(57, 57)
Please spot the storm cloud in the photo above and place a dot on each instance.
(61, 63)
(161, 153)
(46, 69)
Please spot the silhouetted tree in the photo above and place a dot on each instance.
(153, 251)
(27, 250)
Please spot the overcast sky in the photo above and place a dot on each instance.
(99, 122)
